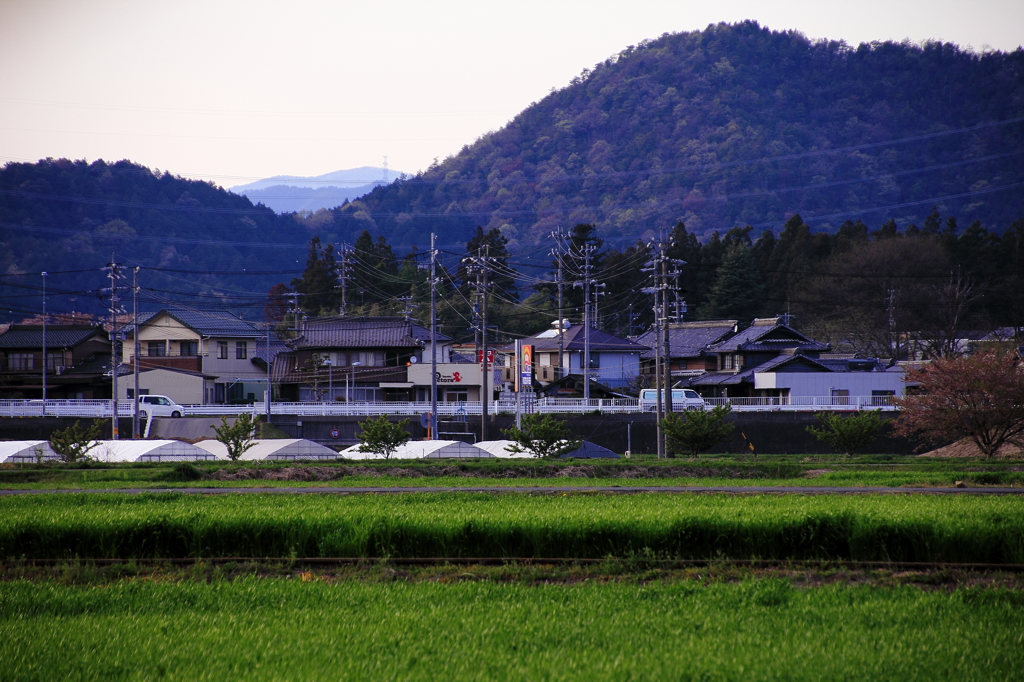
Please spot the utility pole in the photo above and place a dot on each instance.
(136, 433)
(480, 266)
(44, 343)
(345, 275)
(589, 285)
(114, 270)
(433, 336)
(559, 253)
(409, 305)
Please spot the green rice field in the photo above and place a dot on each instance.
(975, 529)
(287, 629)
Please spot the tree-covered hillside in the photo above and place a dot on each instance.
(731, 126)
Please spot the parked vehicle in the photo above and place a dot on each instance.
(682, 399)
(160, 406)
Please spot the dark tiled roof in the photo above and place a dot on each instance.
(206, 323)
(363, 332)
(573, 340)
(57, 336)
(777, 363)
(768, 339)
(688, 339)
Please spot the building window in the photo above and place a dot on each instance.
(241, 350)
(189, 348)
(21, 361)
(157, 349)
(222, 350)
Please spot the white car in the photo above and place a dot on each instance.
(682, 399)
(160, 406)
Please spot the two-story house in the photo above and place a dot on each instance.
(223, 352)
(769, 359)
(614, 361)
(362, 359)
(77, 362)
(689, 344)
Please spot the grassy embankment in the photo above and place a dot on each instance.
(777, 470)
(273, 629)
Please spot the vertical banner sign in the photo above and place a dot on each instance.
(526, 368)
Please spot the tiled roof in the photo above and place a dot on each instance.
(768, 339)
(57, 336)
(574, 340)
(363, 332)
(688, 339)
(206, 323)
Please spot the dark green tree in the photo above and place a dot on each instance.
(737, 292)
(319, 282)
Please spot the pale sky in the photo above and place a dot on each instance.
(237, 91)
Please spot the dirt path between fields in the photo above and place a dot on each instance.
(541, 490)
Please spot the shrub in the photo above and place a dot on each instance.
(847, 434)
(541, 435)
(698, 430)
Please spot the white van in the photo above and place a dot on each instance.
(682, 399)
(160, 406)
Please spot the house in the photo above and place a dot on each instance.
(77, 362)
(740, 355)
(216, 344)
(357, 359)
(614, 361)
(183, 386)
(688, 346)
(769, 359)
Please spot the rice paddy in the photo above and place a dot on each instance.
(280, 629)
(978, 529)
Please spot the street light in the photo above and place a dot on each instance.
(352, 373)
(330, 379)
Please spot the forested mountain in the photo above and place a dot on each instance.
(875, 193)
(731, 126)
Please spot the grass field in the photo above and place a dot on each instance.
(982, 529)
(281, 629)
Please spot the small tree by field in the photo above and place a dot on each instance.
(382, 437)
(698, 430)
(978, 396)
(237, 437)
(847, 434)
(541, 435)
(72, 443)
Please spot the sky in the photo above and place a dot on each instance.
(232, 92)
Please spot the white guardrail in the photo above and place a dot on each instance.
(103, 408)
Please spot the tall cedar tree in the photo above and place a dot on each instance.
(319, 282)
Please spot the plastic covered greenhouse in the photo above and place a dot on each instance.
(500, 448)
(426, 449)
(274, 448)
(147, 451)
(26, 451)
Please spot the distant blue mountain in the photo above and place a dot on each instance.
(292, 193)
